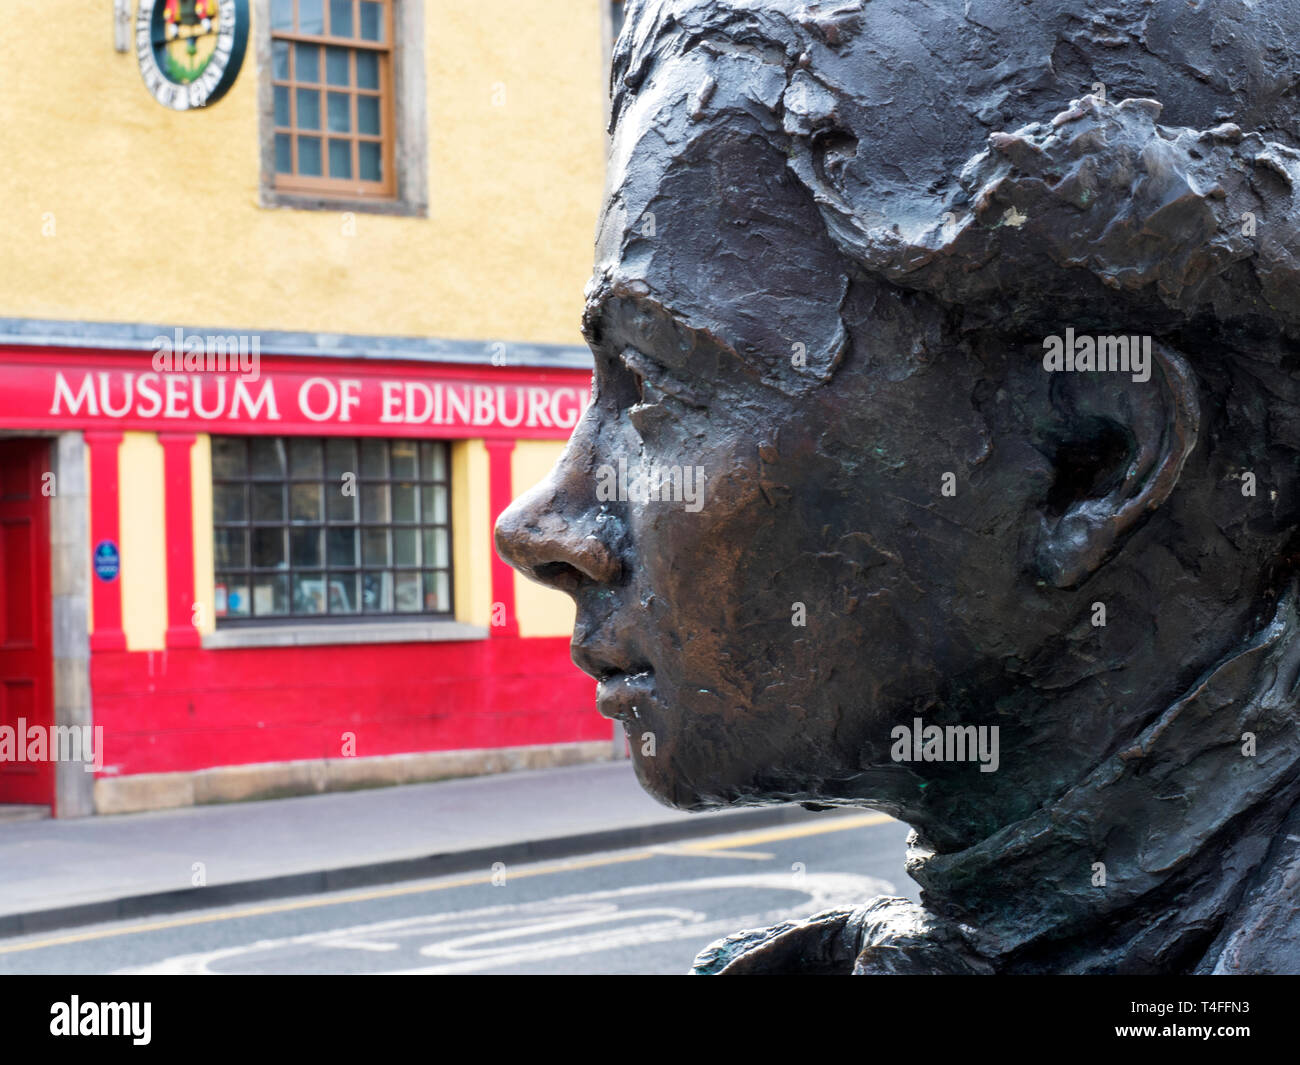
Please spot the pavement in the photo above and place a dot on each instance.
(62, 873)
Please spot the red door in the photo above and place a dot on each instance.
(26, 654)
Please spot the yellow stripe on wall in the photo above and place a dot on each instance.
(471, 532)
(144, 547)
(541, 611)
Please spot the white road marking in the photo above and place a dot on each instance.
(360, 944)
(499, 937)
(695, 852)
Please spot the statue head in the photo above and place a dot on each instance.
(945, 375)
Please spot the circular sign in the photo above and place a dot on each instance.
(107, 560)
(190, 51)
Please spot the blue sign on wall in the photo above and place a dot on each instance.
(107, 560)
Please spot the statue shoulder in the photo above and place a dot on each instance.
(888, 936)
(1262, 935)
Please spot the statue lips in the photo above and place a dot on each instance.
(621, 696)
(625, 678)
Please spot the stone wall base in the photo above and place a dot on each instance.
(275, 780)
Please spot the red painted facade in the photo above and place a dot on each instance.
(186, 708)
(166, 711)
(178, 496)
(105, 521)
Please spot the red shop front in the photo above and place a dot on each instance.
(240, 575)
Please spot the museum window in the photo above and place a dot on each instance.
(343, 108)
(333, 528)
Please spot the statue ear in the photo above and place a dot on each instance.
(1120, 448)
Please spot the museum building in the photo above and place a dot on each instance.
(277, 345)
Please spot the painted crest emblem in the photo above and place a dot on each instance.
(190, 51)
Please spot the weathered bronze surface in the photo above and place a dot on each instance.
(837, 242)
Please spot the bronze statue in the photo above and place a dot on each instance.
(942, 460)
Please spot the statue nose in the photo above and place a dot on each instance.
(546, 545)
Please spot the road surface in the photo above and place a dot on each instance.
(642, 910)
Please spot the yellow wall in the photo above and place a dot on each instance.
(471, 532)
(541, 611)
(115, 208)
(144, 547)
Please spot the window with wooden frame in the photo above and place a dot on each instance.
(333, 86)
(330, 529)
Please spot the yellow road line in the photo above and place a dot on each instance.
(769, 835)
(715, 843)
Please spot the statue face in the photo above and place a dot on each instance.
(881, 494)
(759, 639)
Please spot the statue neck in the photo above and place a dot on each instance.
(1194, 795)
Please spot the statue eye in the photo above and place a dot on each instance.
(649, 412)
(646, 392)
(645, 410)
(636, 389)
(617, 384)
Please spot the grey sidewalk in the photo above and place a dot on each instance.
(60, 873)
